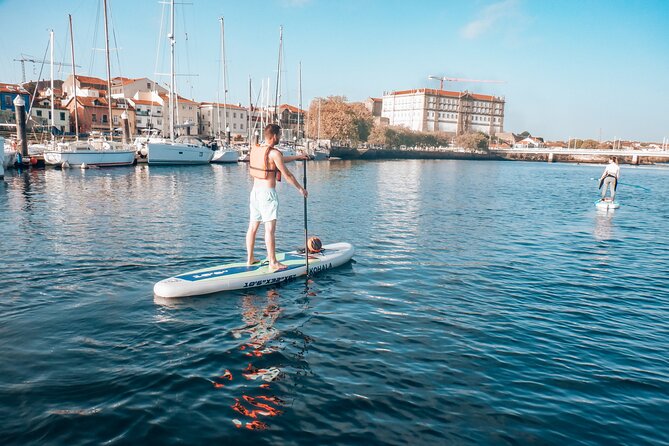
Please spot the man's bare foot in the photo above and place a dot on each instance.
(251, 261)
(277, 266)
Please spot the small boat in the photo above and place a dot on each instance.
(99, 153)
(225, 154)
(8, 153)
(183, 150)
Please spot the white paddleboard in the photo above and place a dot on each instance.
(607, 204)
(237, 276)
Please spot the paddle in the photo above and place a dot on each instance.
(306, 232)
(626, 184)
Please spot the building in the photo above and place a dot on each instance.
(430, 110)
(215, 117)
(40, 115)
(186, 116)
(374, 105)
(148, 114)
(93, 112)
(123, 87)
(83, 83)
(530, 142)
(289, 119)
(8, 92)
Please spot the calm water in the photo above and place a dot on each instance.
(489, 303)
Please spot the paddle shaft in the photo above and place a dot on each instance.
(306, 231)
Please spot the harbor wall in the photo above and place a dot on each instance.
(385, 153)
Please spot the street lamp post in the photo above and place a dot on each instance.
(227, 134)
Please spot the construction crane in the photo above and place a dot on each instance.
(27, 58)
(455, 79)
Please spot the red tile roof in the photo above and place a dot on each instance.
(143, 102)
(92, 80)
(232, 106)
(291, 108)
(452, 94)
(12, 88)
(181, 99)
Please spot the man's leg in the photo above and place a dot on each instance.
(251, 241)
(270, 231)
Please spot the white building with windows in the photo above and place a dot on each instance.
(40, 114)
(430, 110)
(214, 118)
(148, 114)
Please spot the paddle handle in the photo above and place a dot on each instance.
(306, 230)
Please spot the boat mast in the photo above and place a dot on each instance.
(172, 77)
(299, 106)
(225, 79)
(277, 93)
(109, 98)
(74, 75)
(248, 115)
(53, 106)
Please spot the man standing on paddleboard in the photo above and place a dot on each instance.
(267, 166)
(609, 178)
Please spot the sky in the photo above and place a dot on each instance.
(571, 68)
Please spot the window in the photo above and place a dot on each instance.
(94, 118)
(62, 116)
(159, 121)
(234, 115)
(104, 119)
(39, 113)
(148, 85)
(8, 101)
(241, 126)
(115, 119)
(234, 126)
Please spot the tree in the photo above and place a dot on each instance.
(472, 141)
(525, 134)
(340, 120)
(589, 144)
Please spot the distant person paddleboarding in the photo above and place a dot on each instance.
(609, 179)
(267, 166)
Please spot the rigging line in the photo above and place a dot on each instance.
(118, 57)
(155, 66)
(39, 78)
(96, 25)
(188, 82)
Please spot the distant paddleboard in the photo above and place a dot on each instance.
(607, 204)
(237, 276)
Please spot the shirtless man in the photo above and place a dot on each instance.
(267, 165)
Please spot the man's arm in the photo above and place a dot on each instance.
(288, 159)
(277, 157)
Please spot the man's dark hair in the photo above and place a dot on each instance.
(272, 129)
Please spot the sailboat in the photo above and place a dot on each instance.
(100, 153)
(224, 152)
(184, 150)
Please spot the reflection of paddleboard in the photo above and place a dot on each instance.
(235, 276)
(607, 204)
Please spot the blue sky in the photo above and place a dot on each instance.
(571, 67)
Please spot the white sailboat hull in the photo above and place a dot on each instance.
(101, 158)
(225, 156)
(174, 153)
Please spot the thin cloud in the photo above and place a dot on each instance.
(488, 17)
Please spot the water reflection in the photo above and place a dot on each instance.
(604, 224)
(259, 338)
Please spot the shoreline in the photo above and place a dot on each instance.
(497, 155)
